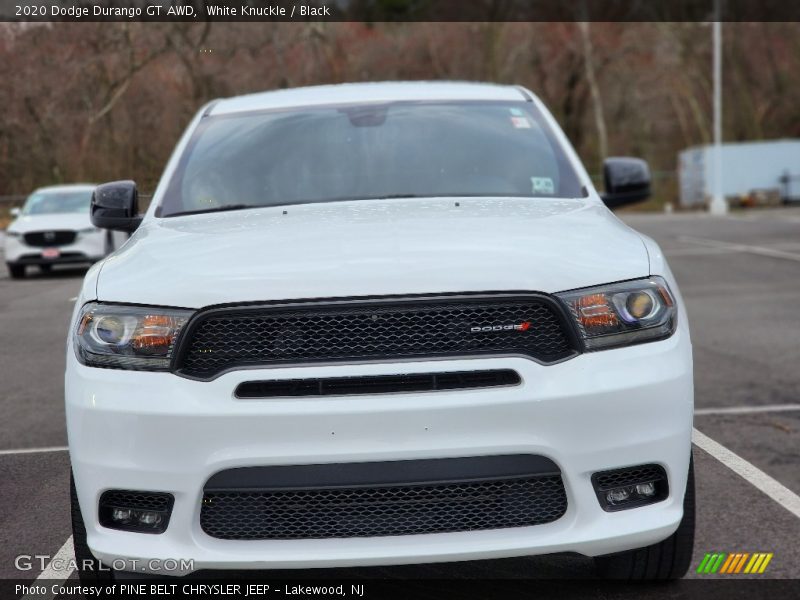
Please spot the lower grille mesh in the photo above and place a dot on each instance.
(383, 511)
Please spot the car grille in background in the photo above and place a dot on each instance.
(222, 339)
(49, 238)
(377, 384)
(383, 509)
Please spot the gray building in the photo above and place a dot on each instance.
(769, 169)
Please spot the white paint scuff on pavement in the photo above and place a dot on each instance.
(747, 410)
(34, 450)
(58, 569)
(759, 250)
(752, 474)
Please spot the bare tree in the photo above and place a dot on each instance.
(109, 100)
(594, 90)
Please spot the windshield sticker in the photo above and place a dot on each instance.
(543, 185)
(520, 122)
(516, 112)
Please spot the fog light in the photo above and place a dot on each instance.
(630, 487)
(148, 517)
(121, 514)
(618, 495)
(132, 510)
(646, 489)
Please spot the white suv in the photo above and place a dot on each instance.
(379, 324)
(53, 228)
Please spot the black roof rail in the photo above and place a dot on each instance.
(524, 92)
(210, 107)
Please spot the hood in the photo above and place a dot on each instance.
(376, 247)
(51, 222)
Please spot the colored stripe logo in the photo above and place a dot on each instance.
(734, 563)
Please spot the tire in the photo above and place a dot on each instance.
(664, 561)
(16, 271)
(89, 568)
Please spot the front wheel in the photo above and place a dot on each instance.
(16, 271)
(666, 560)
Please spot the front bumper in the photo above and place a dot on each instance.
(87, 247)
(598, 411)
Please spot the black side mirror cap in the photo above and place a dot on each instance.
(115, 206)
(627, 180)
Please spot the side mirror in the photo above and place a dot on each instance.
(115, 206)
(15, 212)
(627, 180)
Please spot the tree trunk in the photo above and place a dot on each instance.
(594, 90)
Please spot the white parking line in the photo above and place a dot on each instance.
(34, 450)
(58, 569)
(695, 251)
(759, 250)
(750, 473)
(746, 410)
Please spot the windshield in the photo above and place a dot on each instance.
(47, 203)
(353, 152)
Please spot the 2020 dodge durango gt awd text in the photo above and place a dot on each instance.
(379, 324)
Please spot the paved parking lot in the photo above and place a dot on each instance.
(740, 277)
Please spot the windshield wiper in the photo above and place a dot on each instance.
(223, 208)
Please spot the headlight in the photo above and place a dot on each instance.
(623, 313)
(13, 234)
(128, 337)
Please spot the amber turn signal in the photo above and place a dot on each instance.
(594, 310)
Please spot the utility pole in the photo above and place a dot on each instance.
(718, 205)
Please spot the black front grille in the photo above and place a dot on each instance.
(222, 339)
(377, 384)
(284, 512)
(48, 239)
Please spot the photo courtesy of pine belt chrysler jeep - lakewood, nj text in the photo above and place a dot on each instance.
(379, 324)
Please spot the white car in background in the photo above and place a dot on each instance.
(53, 227)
